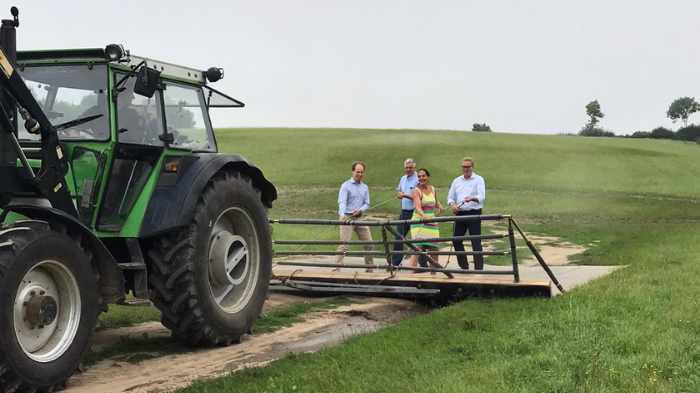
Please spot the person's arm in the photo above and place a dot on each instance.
(452, 197)
(342, 201)
(417, 203)
(480, 191)
(365, 202)
(437, 201)
(400, 193)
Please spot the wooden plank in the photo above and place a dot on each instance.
(422, 278)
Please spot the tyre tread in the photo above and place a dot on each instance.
(173, 279)
(13, 239)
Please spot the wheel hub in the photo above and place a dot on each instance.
(234, 259)
(228, 259)
(47, 311)
(41, 310)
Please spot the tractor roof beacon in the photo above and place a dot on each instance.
(126, 194)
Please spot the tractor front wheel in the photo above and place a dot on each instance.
(210, 279)
(48, 306)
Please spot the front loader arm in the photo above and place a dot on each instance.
(50, 180)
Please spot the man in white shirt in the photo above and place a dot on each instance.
(466, 198)
(353, 200)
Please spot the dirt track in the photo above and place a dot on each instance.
(319, 330)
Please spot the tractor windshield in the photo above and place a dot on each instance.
(70, 92)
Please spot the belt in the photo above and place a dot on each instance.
(406, 210)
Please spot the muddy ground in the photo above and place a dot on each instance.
(166, 373)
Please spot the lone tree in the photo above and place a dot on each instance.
(682, 108)
(593, 111)
(481, 127)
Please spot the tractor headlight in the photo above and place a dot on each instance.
(114, 52)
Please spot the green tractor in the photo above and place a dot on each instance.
(111, 184)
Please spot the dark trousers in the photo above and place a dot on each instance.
(474, 228)
(403, 230)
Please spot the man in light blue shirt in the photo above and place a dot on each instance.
(353, 200)
(466, 198)
(405, 189)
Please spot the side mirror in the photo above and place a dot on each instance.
(146, 82)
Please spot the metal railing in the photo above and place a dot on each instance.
(388, 227)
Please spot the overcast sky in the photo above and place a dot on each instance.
(519, 66)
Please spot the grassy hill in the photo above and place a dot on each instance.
(636, 330)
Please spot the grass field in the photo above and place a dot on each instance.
(636, 330)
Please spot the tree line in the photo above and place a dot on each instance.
(680, 109)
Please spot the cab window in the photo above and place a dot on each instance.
(139, 118)
(187, 118)
(67, 93)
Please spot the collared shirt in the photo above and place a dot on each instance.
(352, 196)
(462, 188)
(406, 185)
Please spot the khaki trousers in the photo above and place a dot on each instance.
(363, 233)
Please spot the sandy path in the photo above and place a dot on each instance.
(319, 330)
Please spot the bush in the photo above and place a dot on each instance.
(595, 131)
(640, 134)
(661, 133)
(481, 127)
(689, 133)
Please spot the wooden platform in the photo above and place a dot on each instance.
(380, 283)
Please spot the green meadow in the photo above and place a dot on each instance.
(633, 202)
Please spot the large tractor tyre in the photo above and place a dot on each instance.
(210, 278)
(49, 305)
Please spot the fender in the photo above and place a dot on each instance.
(173, 201)
(111, 284)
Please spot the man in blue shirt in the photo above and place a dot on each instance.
(405, 189)
(466, 198)
(353, 200)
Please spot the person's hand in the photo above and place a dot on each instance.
(454, 208)
(440, 209)
(356, 213)
(467, 199)
(400, 195)
(342, 218)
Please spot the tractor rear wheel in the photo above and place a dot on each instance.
(49, 305)
(210, 279)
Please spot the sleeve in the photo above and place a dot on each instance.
(481, 190)
(452, 194)
(398, 188)
(365, 203)
(342, 200)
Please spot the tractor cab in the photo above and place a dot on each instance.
(117, 117)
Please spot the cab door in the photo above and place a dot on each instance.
(139, 134)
